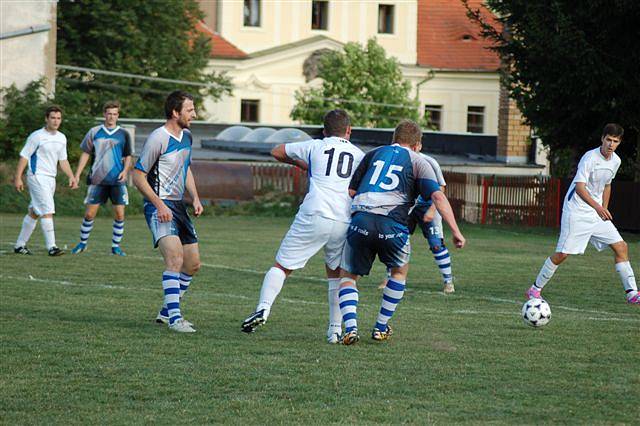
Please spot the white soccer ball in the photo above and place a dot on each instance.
(536, 312)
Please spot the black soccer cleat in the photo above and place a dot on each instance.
(55, 251)
(254, 320)
(22, 250)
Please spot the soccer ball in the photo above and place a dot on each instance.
(536, 312)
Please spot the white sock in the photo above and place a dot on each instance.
(46, 223)
(271, 286)
(545, 274)
(28, 225)
(335, 316)
(628, 278)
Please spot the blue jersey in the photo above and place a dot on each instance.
(388, 181)
(165, 159)
(108, 148)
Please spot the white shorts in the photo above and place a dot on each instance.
(577, 231)
(306, 236)
(42, 189)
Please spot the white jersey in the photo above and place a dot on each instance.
(43, 150)
(332, 162)
(596, 172)
(436, 168)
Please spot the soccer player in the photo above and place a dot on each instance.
(109, 148)
(425, 215)
(44, 149)
(385, 186)
(323, 217)
(586, 218)
(162, 174)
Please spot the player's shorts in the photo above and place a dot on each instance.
(99, 194)
(180, 225)
(370, 235)
(432, 231)
(306, 236)
(41, 189)
(577, 231)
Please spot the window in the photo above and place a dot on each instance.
(249, 110)
(385, 19)
(433, 115)
(319, 15)
(475, 119)
(251, 13)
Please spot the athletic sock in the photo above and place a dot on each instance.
(171, 287)
(28, 225)
(628, 278)
(335, 316)
(348, 298)
(85, 230)
(443, 260)
(545, 274)
(118, 232)
(271, 286)
(185, 281)
(46, 223)
(391, 296)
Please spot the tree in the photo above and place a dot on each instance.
(150, 38)
(363, 81)
(572, 68)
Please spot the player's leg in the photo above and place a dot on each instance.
(171, 249)
(415, 217)
(547, 270)
(332, 255)
(119, 199)
(435, 237)
(44, 206)
(29, 223)
(190, 266)
(87, 226)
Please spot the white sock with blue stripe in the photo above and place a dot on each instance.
(171, 287)
(185, 281)
(118, 232)
(85, 230)
(348, 298)
(391, 296)
(443, 260)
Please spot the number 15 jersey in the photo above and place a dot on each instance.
(332, 162)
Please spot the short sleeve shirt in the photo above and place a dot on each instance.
(108, 148)
(44, 150)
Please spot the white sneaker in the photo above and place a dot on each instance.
(162, 319)
(182, 326)
(448, 288)
(333, 336)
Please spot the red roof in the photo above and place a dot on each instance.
(447, 39)
(220, 47)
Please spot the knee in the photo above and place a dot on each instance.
(194, 268)
(621, 248)
(118, 215)
(90, 216)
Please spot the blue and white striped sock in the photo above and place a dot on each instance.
(185, 281)
(118, 232)
(348, 298)
(171, 287)
(391, 296)
(85, 230)
(443, 260)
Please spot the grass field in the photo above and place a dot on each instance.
(79, 344)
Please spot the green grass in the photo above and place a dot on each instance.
(79, 344)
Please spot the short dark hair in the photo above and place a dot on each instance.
(50, 109)
(613, 129)
(110, 105)
(408, 133)
(336, 122)
(174, 102)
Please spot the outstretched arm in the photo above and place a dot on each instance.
(280, 154)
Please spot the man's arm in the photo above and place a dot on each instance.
(280, 154)
(82, 163)
(606, 196)
(193, 191)
(125, 170)
(66, 168)
(442, 204)
(17, 181)
(140, 181)
(431, 211)
(581, 190)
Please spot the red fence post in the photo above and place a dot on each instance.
(485, 199)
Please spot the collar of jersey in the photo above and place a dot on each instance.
(338, 138)
(400, 146)
(110, 131)
(602, 156)
(169, 133)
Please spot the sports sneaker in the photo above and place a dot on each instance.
(254, 320)
(164, 319)
(22, 250)
(448, 288)
(634, 300)
(532, 293)
(182, 326)
(351, 337)
(55, 251)
(380, 335)
(117, 251)
(79, 248)
(333, 336)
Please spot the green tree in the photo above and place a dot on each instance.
(150, 38)
(363, 81)
(572, 68)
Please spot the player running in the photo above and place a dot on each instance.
(162, 174)
(44, 149)
(384, 187)
(586, 218)
(322, 220)
(109, 148)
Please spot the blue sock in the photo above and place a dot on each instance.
(185, 281)
(85, 230)
(171, 287)
(443, 260)
(118, 232)
(348, 298)
(391, 296)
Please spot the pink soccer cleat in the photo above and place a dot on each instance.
(532, 293)
(634, 300)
